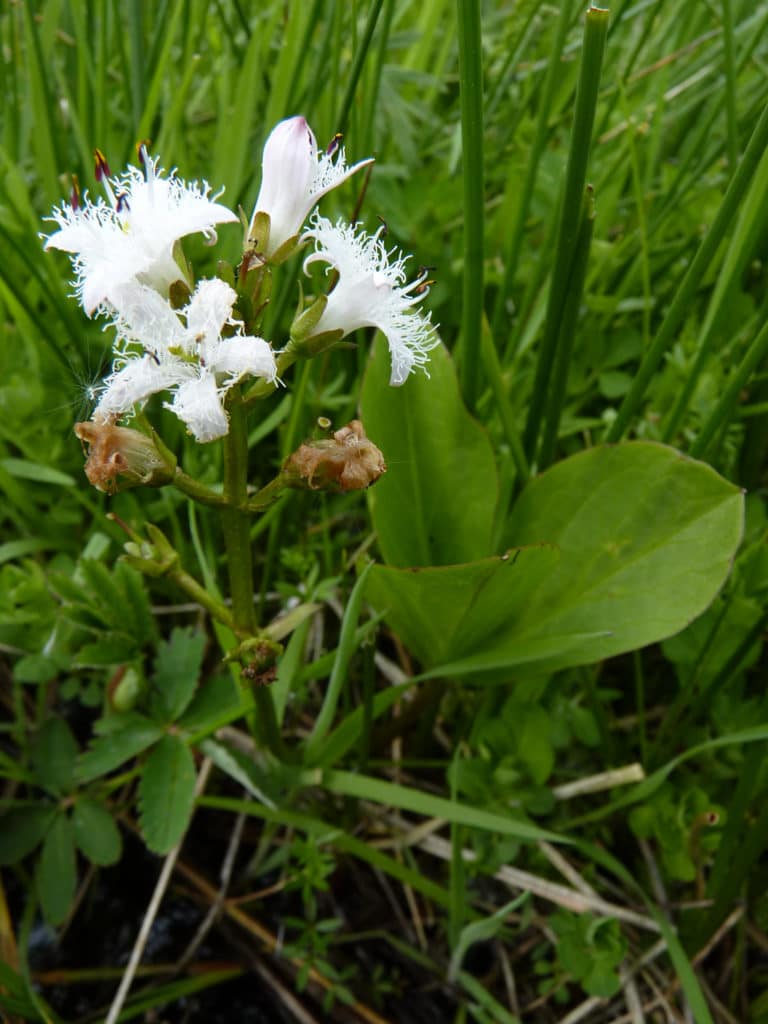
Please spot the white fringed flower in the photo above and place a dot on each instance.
(294, 176)
(131, 236)
(371, 292)
(156, 351)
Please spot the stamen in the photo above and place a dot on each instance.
(384, 229)
(121, 202)
(101, 170)
(334, 144)
(142, 152)
(74, 195)
(103, 175)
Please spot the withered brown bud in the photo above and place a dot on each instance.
(347, 461)
(119, 458)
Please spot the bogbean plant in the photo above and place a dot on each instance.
(198, 343)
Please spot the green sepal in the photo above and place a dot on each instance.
(258, 234)
(153, 558)
(306, 321)
(179, 294)
(284, 251)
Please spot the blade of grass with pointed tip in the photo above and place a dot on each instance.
(567, 333)
(357, 67)
(471, 99)
(595, 29)
(344, 652)
(512, 252)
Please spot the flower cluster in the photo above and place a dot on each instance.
(129, 269)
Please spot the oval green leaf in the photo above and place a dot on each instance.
(54, 751)
(167, 794)
(636, 541)
(96, 833)
(21, 829)
(57, 871)
(436, 503)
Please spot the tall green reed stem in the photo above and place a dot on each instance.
(512, 252)
(595, 29)
(567, 333)
(471, 79)
(357, 67)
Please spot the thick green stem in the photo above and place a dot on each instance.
(558, 391)
(236, 523)
(515, 237)
(267, 496)
(194, 489)
(198, 593)
(239, 560)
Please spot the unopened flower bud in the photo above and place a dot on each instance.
(119, 458)
(347, 461)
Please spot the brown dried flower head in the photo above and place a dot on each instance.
(346, 461)
(119, 458)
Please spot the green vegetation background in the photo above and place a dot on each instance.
(683, 90)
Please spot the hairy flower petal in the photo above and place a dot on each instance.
(133, 384)
(131, 236)
(198, 403)
(372, 292)
(243, 356)
(161, 349)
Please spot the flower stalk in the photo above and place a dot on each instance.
(236, 522)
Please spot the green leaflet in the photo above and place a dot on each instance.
(634, 542)
(167, 793)
(437, 502)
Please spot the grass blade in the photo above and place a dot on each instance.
(471, 78)
(595, 29)
(691, 282)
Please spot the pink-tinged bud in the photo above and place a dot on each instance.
(119, 458)
(347, 461)
(294, 176)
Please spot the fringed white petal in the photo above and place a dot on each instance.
(133, 384)
(209, 309)
(372, 292)
(240, 357)
(132, 237)
(198, 403)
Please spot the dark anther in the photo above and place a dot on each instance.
(334, 144)
(426, 282)
(74, 195)
(142, 147)
(384, 224)
(101, 167)
(122, 202)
